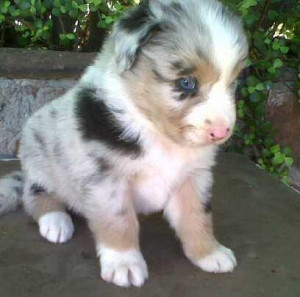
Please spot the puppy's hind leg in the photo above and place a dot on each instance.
(55, 224)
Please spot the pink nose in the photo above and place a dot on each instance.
(219, 132)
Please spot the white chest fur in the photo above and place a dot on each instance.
(163, 168)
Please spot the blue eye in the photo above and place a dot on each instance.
(187, 84)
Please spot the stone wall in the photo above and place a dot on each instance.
(28, 80)
(19, 98)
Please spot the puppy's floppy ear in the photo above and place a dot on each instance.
(131, 32)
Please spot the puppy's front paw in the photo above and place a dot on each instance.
(123, 268)
(56, 227)
(220, 261)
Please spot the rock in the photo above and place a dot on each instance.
(295, 177)
(19, 98)
(283, 111)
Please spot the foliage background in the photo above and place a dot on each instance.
(272, 26)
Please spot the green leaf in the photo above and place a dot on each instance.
(56, 3)
(73, 13)
(62, 36)
(277, 63)
(74, 4)
(251, 90)
(38, 24)
(288, 161)
(102, 24)
(275, 149)
(278, 158)
(287, 151)
(272, 70)
(24, 5)
(248, 3)
(260, 87)
(108, 20)
(244, 92)
(252, 80)
(6, 4)
(276, 46)
(286, 180)
(284, 49)
(14, 12)
(4, 10)
(268, 41)
(97, 2)
(241, 103)
(83, 7)
(248, 62)
(254, 97)
(241, 113)
(32, 10)
(56, 11)
(71, 36)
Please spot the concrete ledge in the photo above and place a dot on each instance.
(255, 215)
(20, 63)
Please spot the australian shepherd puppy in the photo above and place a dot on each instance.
(138, 134)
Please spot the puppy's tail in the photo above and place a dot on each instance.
(11, 191)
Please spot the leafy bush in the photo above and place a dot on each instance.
(273, 29)
(58, 24)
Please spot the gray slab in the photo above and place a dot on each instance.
(254, 214)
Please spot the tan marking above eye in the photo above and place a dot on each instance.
(207, 74)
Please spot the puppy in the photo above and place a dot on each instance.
(138, 134)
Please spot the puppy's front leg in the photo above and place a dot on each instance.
(190, 215)
(114, 224)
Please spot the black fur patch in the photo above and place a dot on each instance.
(144, 38)
(37, 189)
(136, 18)
(97, 122)
(207, 207)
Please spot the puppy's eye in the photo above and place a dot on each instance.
(187, 84)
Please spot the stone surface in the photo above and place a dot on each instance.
(283, 111)
(255, 215)
(36, 64)
(19, 98)
(295, 176)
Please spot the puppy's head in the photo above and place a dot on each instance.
(179, 61)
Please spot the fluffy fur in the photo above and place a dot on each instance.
(127, 139)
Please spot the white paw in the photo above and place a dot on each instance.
(56, 227)
(222, 260)
(123, 268)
